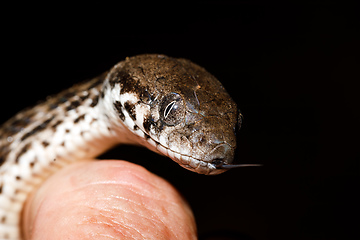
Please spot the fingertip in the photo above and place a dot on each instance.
(107, 198)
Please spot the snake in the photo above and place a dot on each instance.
(172, 106)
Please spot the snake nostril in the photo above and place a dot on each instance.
(221, 154)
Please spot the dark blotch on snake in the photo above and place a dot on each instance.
(147, 124)
(56, 124)
(118, 108)
(95, 101)
(44, 124)
(2, 160)
(37, 129)
(82, 117)
(32, 164)
(22, 151)
(73, 105)
(130, 108)
(84, 97)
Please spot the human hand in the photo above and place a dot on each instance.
(107, 200)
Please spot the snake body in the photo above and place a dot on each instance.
(171, 106)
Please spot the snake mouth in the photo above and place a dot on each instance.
(189, 162)
(213, 167)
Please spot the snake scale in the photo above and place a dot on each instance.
(171, 106)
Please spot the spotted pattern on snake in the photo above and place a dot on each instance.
(171, 106)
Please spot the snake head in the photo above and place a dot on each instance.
(180, 109)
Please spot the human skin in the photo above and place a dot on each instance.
(107, 200)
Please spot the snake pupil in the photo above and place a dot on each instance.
(169, 108)
(172, 109)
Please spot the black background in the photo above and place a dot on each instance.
(292, 69)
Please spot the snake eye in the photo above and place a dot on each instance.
(172, 109)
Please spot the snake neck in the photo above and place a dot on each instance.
(81, 122)
(81, 118)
